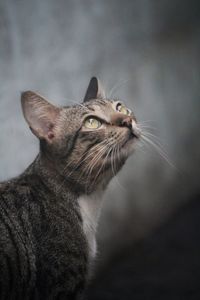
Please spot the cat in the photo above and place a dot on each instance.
(49, 214)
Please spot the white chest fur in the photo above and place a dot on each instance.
(90, 207)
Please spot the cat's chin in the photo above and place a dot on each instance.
(129, 146)
(115, 165)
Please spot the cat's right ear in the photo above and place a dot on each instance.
(40, 115)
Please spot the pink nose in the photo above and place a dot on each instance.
(127, 122)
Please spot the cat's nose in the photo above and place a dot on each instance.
(127, 122)
(132, 125)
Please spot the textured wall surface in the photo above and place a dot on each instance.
(144, 52)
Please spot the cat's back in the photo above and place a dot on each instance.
(15, 195)
(42, 246)
(17, 255)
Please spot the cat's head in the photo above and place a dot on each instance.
(86, 143)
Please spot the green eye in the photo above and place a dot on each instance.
(92, 123)
(122, 109)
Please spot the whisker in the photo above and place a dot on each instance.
(97, 159)
(117, 154)
(80, 161)
(147, 127)
(159, 150)
(102, 166)
(91, 164)
(153, 136)
(147, 121)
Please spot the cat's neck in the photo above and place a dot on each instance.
(57, 184)
(90, 208)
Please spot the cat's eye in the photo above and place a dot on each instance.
(92, 123)
(122, 109)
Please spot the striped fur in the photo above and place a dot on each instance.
(43, 252)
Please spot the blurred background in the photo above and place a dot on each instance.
(145, 52)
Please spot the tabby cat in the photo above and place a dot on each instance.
(49, 214)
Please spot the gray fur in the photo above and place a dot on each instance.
(45, 236)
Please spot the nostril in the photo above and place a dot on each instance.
(127, 122)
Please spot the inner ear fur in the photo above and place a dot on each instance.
(40, 115)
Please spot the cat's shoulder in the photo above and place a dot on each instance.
(14, 188)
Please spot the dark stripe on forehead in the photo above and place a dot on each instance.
(90, 107)
(97, 102)
(102, 102)
(81, 109)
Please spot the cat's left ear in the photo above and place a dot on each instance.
(94, 90)
(40, 115)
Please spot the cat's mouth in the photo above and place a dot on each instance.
(128, 145)
(136, 132)
(133, 136)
